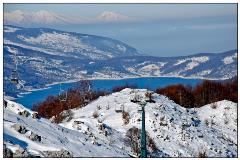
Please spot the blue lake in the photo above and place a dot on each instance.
(148, 82)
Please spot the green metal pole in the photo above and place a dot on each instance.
(143, 135)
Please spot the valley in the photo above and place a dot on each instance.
(94, 57)
(190, 110)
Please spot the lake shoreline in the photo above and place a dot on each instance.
(151, 83)
(126, 78)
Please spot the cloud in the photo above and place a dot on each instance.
(43, 18)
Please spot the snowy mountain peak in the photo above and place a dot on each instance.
(19, 17)
(112, 16)
(49, 17)
(45, 18)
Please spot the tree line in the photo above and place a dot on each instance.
(77, 97)
(202, 94)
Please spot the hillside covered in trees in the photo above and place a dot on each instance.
(202, 94)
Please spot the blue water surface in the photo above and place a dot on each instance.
(28, 100)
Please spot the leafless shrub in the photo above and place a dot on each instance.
(206, 122)
(107, 107)
(226, 121)
(162, 118)
(99, 107)
(202, 154)
(126, 117)
(213, 105)
(59, 118)
(151, 144)
(95, 114)
(101, 127)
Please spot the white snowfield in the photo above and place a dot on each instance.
(63, 44)
(64, 41)
(176, 131)
(53, 137)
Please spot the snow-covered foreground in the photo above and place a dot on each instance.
(98, 129)
(53, 137)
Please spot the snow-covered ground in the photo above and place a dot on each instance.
(53, 137)
(176, 131)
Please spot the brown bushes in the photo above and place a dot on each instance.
(77, 97)
(204, 93)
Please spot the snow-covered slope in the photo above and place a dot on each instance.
(176, 131)
(53, 137)
(66, 44)
(99, 129)
(207, 129)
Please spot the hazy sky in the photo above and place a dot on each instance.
(142, 10)
(156, 29)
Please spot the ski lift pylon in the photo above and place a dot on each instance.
(14, 77)
(62, 94)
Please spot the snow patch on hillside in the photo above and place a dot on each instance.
(61, 41)
(200, 59)
(47, 51)
(10, 29)
(194, 61)
(121, 48)
(11, 49)
(180, 62)
(229, 59)
(191, 65)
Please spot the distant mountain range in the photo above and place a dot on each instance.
(46, 56)
(49, 18)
